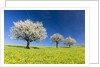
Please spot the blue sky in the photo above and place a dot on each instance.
(66, 22)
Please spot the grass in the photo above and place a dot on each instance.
(14, 54)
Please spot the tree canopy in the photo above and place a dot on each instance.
(69, 41)
(28, 30)
(57, 38)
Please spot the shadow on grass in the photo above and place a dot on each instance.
(35, 47)
(16, 46)
(65, 47)
(22, 46)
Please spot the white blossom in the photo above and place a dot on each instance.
(57, 38)
(69, 41)
(28, 30)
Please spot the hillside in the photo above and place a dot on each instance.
(17, 54)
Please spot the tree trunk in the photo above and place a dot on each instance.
(28, 42)
(56, 45)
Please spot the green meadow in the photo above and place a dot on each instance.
(17, 54)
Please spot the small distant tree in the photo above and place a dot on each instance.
(57, 38)
(28, 31)
(69, 41)
(82, 45)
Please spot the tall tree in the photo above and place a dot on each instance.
(29, 31)
(57, 38)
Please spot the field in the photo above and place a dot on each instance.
(14, 54)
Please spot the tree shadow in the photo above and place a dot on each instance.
(35, 47)
(64, 47)
(22, 46)
(16, 46)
